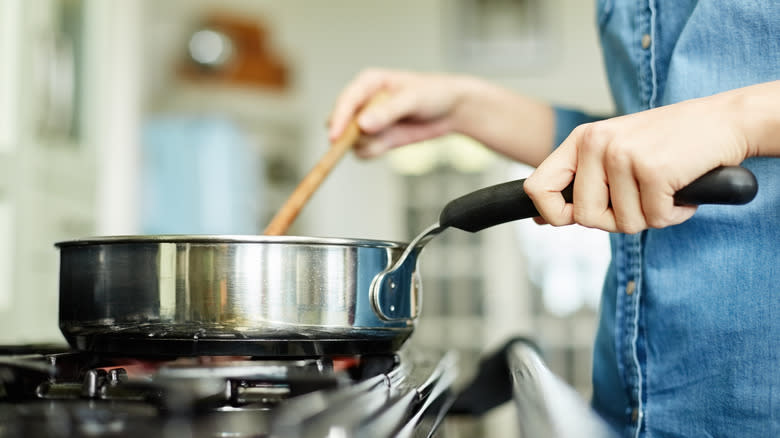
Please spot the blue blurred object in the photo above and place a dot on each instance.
(200, 175)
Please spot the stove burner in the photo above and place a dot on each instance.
(66, 394)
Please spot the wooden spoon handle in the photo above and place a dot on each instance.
(289, 211)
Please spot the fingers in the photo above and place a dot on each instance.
(628, 168)
(591, 187)
(624, 191)
(417, 107)
(395, 108)
(354, 96)
(553, 175)
(659, 208)
(606, 194)
(370, 146)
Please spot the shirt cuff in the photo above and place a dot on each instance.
(567, 119)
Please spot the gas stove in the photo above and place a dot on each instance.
(56, 392)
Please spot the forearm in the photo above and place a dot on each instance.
(513, 125)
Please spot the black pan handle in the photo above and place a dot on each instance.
(508, 202)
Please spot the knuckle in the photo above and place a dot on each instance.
(659, 221)
(646, 170)
(616, 156)
(628, 226)
(557, 221)
(579, 130)
(548, 208)
(595, 136)
(402, 103)
(532, 187)
(584, 216)
(655, 223)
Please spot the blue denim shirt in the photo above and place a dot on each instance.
(689, 330)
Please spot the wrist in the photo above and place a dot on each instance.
(508, 123)
(757, 113)
(470, 93)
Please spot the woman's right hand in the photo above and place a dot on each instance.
(419, 106)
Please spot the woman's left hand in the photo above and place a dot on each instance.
(629, 168)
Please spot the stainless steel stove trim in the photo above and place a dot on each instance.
(411, 400)
(546, 405)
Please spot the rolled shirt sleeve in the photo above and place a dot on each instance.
(566, 119)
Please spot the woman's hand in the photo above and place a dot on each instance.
(638, 162)
(421, 106)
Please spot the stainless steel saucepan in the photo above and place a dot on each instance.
(278, 296)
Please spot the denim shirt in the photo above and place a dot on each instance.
(689, 330)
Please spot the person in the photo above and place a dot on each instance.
(689, 327)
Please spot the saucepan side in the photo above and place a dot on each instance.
(255, 295)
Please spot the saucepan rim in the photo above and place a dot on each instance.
(228, 239)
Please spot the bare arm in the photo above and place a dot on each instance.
(511, 124)
(423, 106)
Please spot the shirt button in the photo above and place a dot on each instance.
(646, 40)
(630, 287)
(634, 415)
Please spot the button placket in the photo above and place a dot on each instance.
(630, 328)
(645, 53)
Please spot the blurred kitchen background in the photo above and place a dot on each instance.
(200, 116)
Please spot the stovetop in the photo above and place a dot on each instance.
(53, 391)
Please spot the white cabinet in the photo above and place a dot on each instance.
(48, 158)
(9, 74)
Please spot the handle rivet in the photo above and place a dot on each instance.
(392, 308)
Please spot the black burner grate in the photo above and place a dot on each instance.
(65, 393)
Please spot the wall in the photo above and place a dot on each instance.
(328, 43)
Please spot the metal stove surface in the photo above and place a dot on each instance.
(48, 391)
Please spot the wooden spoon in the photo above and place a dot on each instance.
(290, 209)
